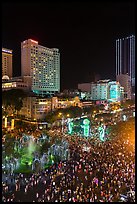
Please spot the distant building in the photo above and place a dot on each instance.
(99, 90)
(107, 91)
(70, 92)
(37, 107)
(15, 83)
(76, 92)
(6, 62)
(85, 87)
(116, 91)
(42, 64)
(124, 80)
(125, 58)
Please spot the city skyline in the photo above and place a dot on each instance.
(85, 33)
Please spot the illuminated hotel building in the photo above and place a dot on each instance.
(125, 58)
(6, 62)
(43, 65)
(106, 90)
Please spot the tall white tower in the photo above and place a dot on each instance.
(43, 65)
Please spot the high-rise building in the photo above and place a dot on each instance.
(125, 57)
(43, 65)
(6, 62)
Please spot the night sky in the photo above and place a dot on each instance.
(84, 31)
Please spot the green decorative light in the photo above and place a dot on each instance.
(70, 127)
(86, 123)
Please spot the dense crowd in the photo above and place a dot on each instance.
(100, 174)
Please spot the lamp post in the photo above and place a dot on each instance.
(60, 114)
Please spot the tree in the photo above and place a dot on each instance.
(72, 111)
(9, 145)
(87, 110)
(127, 103)
(13, 99)
(45, 147)
(102, 106)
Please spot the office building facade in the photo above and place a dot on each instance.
(7, 62)
(125, 58)
(43, 65)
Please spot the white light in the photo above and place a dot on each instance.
(8, 51)
(34, 41)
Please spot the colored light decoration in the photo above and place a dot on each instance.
(124, 118)
(12, 124)
(133, 113)
(102, 133)
(86, 126)
(70, 126)
(5, 122)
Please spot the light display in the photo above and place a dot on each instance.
(102, 133)
(12, 124)
(78, 128)
(124, 117)
(114, 92)
(86, 127)
(70, 126)
(5, 122)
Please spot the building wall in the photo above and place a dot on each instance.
(124, 80)
(99, 91)
(7, 62)
(37, 108)
(42, 64)
(16, 85)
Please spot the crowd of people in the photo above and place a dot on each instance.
(101, 174)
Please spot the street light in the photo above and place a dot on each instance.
(62, 120)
